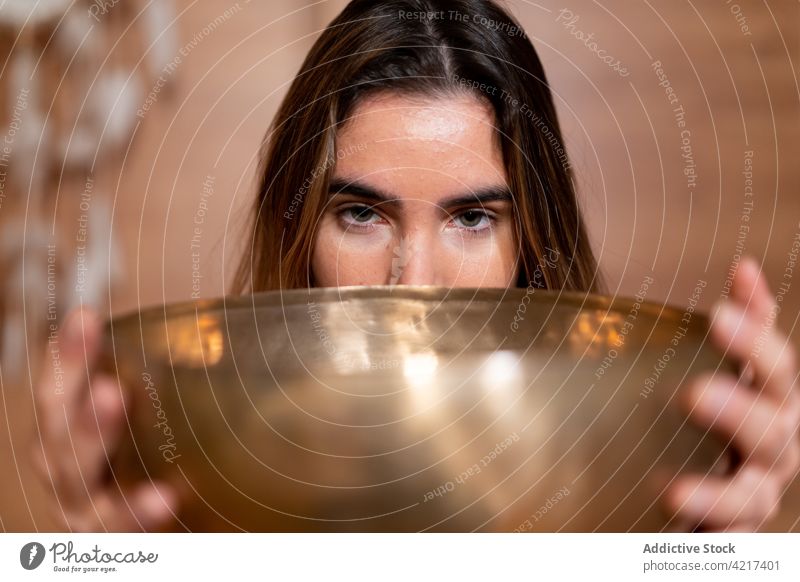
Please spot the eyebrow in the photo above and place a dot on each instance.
(376, 196)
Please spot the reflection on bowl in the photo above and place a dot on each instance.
(412, 408)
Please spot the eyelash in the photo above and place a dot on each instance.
(482, 214)
(368, 227)
(355, 226)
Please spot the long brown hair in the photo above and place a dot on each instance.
(428, 47)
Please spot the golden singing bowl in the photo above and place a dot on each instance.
(413, 409)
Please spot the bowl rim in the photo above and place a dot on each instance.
(322, 295)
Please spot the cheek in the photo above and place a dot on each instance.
(489, 262)
(341, 259)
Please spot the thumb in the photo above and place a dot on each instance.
(76, 347)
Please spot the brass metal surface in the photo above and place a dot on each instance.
(412, 409)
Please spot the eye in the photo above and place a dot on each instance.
(358, 216)
(473, 220)
(361, 214)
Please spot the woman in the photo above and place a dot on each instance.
(419, 145)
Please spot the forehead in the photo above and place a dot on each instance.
(427, 143)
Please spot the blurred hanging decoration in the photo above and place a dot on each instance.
(75, 73)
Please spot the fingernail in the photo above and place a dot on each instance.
(713, 399)
(728, 317)
(699, 503)
(79, 323)
(106, 398)
(156, 503)
(751, 265)
(73, 326)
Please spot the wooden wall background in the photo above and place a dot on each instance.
(738, 88)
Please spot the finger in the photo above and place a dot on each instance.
(95, 434)
(750, 496)
(758, 345)
(750, 290)
(57, 392)
(745, 528)
(148, 507)
(75, 346)
(763, 431)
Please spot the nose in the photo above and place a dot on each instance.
(414, 261)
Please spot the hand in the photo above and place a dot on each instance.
(79, 423)
(759, 413)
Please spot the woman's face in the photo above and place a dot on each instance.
(419, 197)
